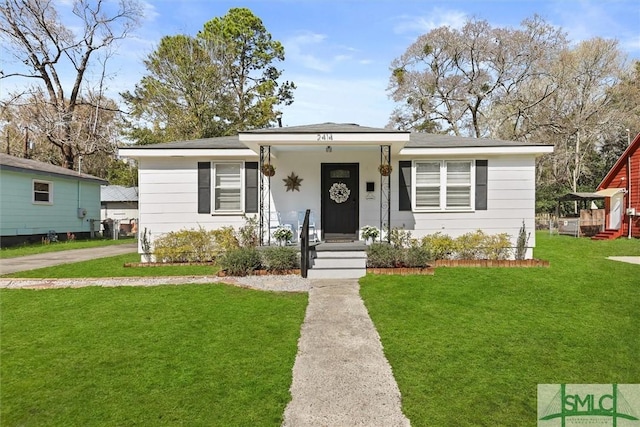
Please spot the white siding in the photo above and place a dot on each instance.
(168, 194)
(510, 200)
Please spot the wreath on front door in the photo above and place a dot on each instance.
(339, 192)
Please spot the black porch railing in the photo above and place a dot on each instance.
(304, 245)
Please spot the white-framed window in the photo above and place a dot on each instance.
(443, 185)
(42, 192)
(228, 187)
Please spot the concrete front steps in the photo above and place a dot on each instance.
(337, 261)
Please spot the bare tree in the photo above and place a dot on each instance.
(454, 80)
(45, 48)
(581, 116)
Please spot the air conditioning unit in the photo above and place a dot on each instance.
(631, 211)
(82, 212)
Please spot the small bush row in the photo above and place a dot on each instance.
(242, 261)
(202, 245)
(404, 251)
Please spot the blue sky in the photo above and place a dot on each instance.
(339, 52)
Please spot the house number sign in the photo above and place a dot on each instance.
(324, 137)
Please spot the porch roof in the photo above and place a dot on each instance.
(325, 128)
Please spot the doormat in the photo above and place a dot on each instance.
(339, 240)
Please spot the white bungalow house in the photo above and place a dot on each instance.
(438, 183)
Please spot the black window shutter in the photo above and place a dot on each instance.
(204, 187)
(404, 186)
(251, 187)
(481, 184)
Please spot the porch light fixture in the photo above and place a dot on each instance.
(328, 149)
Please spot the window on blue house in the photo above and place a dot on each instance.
(42, 192)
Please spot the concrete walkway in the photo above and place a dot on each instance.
(341, 377)
(30, 262)
(627, 259)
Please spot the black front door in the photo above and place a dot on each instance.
(340, 200)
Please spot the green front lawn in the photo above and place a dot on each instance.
(114, 267)
(468, 346)
(191, 355)
(39, 248)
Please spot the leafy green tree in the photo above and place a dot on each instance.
(182, 96)
(218, 83)
(122, 173)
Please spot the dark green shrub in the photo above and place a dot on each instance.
(383, 255)
(239, 262)
(417, 256)
(280, 258)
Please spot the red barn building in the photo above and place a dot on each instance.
(621, 187)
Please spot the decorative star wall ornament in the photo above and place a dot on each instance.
(292, 182)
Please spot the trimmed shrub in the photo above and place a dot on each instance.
(440, 246)
(185, 246)
(225, 239)
(497, 246)
(280, 258)
(382, 255)
(416, 256)
(240, 261)
(470, 245)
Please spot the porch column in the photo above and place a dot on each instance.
(385, 190)
(264, 206)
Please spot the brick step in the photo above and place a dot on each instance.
(605, 235)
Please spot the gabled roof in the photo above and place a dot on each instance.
(631, 149)
(19, 164)
(118, 193)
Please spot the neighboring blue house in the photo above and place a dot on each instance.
(39, 199)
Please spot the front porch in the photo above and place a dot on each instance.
(341, 173)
